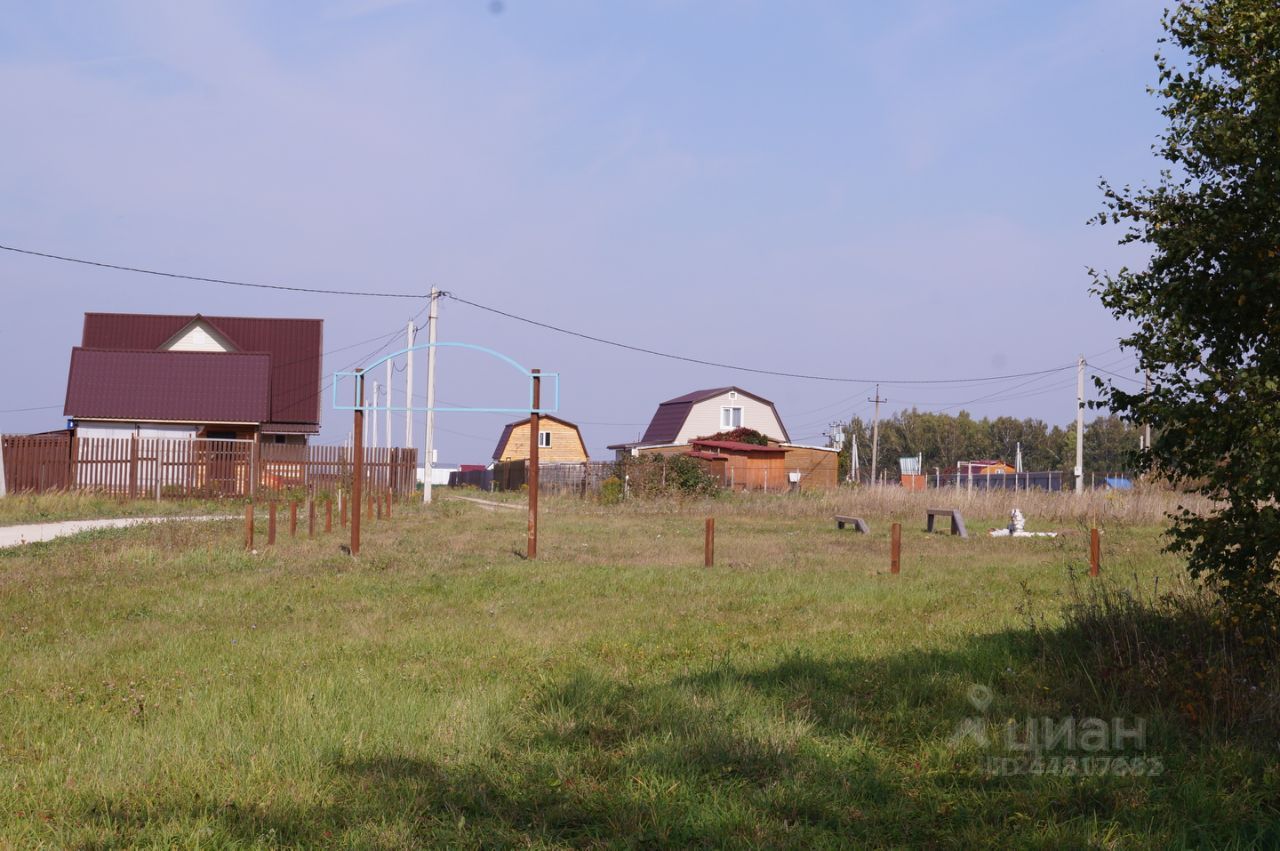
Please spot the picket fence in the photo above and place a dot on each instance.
(167, 468)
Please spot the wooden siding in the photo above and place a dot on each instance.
(818, 468)
(704, 418)
(566, 444)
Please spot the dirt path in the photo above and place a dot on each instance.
(14, 536)
(485, 503)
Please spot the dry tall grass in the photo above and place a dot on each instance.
(1143, 506)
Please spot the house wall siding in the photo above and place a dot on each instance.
(566, 444)
(704, 418)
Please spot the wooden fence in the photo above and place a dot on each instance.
(167, 468)
(567, 478)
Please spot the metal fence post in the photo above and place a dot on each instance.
(709, 543)
(895, 548)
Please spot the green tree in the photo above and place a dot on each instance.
(1206, 306)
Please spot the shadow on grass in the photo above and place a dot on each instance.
(807, 752)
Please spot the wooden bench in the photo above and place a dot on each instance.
(957, 522)
(856, 522)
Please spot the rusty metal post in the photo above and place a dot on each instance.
(328, 515)
(311, 517)
(535, 427)
(895, 548)
(248, 526)
(357, 477)
(709, 543)
(293, 519)
(1095, 552)
(271, 524)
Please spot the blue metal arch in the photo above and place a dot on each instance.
(369, 406)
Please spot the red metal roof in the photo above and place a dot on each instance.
(735, 446)
(671, 414)
(294, 346)
(199, 387)
(707, 456)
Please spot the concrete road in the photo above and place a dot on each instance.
(15, 536)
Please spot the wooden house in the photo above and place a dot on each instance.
(559, 442)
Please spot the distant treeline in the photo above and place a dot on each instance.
(944, 440)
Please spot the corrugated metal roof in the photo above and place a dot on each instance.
(294, 346)
(200, 387)
(736, 446)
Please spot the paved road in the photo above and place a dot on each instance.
(14, 536)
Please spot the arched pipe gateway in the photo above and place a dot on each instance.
(359, 405)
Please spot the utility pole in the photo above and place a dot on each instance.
(390, 401)
(1146, 427)
(428, 449)
(373, 420)
(1080, 426)
(875, 434)
(409, 335)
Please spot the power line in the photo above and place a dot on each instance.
(205, 280)
(754, 370)
(36, 408)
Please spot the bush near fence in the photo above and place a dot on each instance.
(175, 468)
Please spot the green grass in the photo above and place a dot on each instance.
(162, 687)
(19, 509)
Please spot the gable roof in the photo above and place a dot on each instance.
(510, 427)
(293, 347)
(173, 386)
(671, 414)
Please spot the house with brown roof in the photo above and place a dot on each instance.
(559, 442)
(221, 377)
(688, 424)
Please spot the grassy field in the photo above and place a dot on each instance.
(161, 687)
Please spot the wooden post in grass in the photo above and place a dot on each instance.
(328, 515)
(293, 519)
(248, 526)
(271, 524)
(895, 548)
(311, 517)
(1095, 552)
(709, 543)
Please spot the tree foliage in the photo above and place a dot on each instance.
(1206, 306)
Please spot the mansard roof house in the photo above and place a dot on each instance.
(688, 424)
(199, 376)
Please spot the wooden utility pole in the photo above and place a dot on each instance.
(1146, 427)
(429, 448)
(875, 434)
(1080, 426)
(357, 476)
(535, 427)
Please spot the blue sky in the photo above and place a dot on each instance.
(870, 190)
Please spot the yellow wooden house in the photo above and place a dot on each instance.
(559, 442)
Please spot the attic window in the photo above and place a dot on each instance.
(730, 417)
(544, 440)
(733, 394)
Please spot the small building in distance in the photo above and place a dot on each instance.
(559, 442)
(984, 467)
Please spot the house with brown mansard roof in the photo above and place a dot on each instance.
(221, 377)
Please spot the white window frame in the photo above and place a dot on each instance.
(726, 417)
(544, 444)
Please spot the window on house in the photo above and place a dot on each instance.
(730, 417)
(544, 440)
